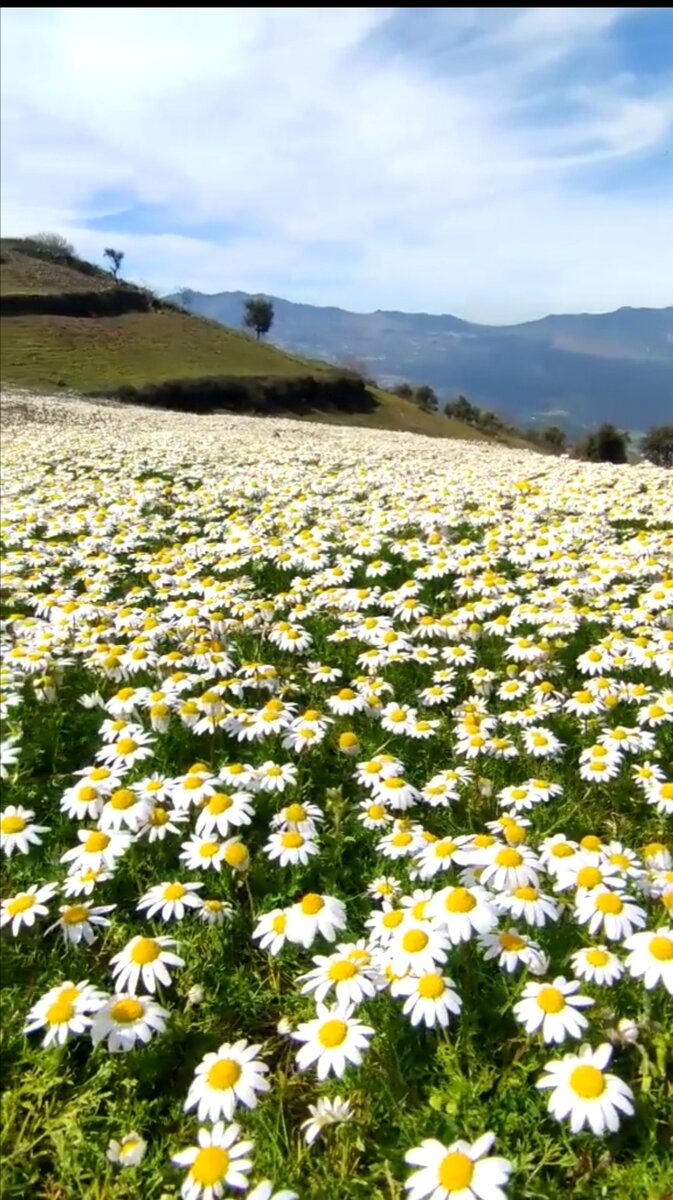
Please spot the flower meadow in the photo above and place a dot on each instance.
(337, 816)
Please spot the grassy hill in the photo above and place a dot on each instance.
(162, 346)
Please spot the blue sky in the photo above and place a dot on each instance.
(494, 163)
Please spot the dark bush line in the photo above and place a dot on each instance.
(303, 394)
(112, 303)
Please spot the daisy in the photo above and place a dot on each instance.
(190, 790)
(274, 777)
(290, 848)
(597, 964)
(237, 775)
(396, 792)
(124, 1019)
(17, 830)
(127, 1153)
(506, 868)
(146, 958)
(24, 907)
(230, 1076)
(170, 900)
(64, 1010)
(613, 912)
(82, 802)
(460, 1171)
(463, 911)
(513, 950)
(126, 751)
(429, 997)
(215, 912)
(349, 971)
(552, 1007)
(312, 915)
(125, 807)
(77, 922)
(10, 750)
(374, 815)
(384, 888)
(270, 930)
(528, 903)
(331, 1040)
(417, 947)
(82, 883)
(660, 796)
(218, 1161)
(583, 1091)
(202, 853)
(326, 1112)
(264, 1191)
(651, 957)
(97, 850)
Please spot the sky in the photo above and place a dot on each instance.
(498, 164)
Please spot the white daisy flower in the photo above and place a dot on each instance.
(349, 971)
(83, 882)
(612, 912)
(24, 907)
(97, 850)
(202, 853)
(290, 848)
(144, 958)
(170, 900)
(513, 950)
(77, 922)
(125, 808)
(529, 904)
(460, 1171)
(597, 964)
(18, 831)
(275, 777)
(128, 1152)
(325, 1112)
(430, 998)
(332, 1040)
(270, 930)
(581, 1090)
(463, 911)
(651, 957)
(219, 1161)
(552, 1008)
(232, 1075)
(64, 1011)
(125, 1019)
(417, 947)
(312, 915)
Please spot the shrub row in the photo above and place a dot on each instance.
(303, 394)
(112, 303)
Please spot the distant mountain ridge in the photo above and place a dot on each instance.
(575, 369)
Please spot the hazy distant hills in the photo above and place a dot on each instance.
(577, 369)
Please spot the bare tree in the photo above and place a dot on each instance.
(116, 258)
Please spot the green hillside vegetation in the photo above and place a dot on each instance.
(171, 358)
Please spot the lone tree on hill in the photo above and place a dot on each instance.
(657, 446)
(425, 397)
(116, 258)
(554, 437)
(258, 315)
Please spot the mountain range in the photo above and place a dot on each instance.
(575, 370)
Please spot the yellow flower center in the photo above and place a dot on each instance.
(75, 914)
(444, 849)
(526, 893)
(174, 891)
(430, 986)
(661, 948)
(145, 951)
(291, 840)
(236, 855)
(125, 1012)
(224, 1074)
(348, 740)
(86, 794)
(587, 1082)
(344, 969)
(274, 772)
(589, 877)
(511, 941)
(620, 860)
(459, 900)
(456, 1171)
(609, 903)
(401, 839)
(12, 824)
(126, 746)
(312, 904)
(346, 694)
(590, 842)
(20, 903)
(508, 857)
(562, 850)
(210, 1166)
(392, 919)
(61, 1011)
(122, 798)
(159, 816)
(414, 941)
(219, 803)
(278, 924)
(550, 1000)
(192, 783)
(332, 1033)
(96, 842)
(666, 791)
(208, 849)
(597, 958)
(398, 714)
(295, 812)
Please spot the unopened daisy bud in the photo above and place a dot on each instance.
(128, 1152)
(349, 743)
(625, 1033)
(485, 787)
(194, 996)
(284, 1027)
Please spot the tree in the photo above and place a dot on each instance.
(403, 390)
(462, 410)
(554, 437)
(116, 258)
(186, 297)
(425, 397)
(657, 445)
(606, 444)
(53, 244)
(258, 314)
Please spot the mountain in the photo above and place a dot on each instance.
(576, 370)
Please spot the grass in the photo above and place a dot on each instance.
(60, 1107)
(22, 273)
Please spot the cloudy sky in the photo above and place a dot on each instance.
(494, 163)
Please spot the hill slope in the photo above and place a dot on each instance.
(166, 348)
(582, 369)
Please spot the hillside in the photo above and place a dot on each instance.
(579, 369)
(159, 354)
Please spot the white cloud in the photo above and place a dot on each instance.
(369, 157)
